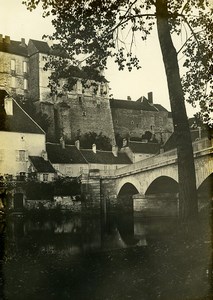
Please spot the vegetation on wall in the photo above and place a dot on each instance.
(102, 141)
(47, 190)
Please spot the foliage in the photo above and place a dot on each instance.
(109, 28)
(67, 187)
(101, 29)
(39, 190)
(46, 190)
(102, 142)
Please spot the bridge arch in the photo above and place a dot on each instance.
(128, 189)
(206, 187)
(128, 182)
(161, 185)
(125, 198)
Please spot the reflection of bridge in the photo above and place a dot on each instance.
(158, 174)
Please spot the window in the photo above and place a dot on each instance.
(25, 84)
(24, 67)
(84, 114)
(116, 121)
(21, 155)
(12, 65)
(132, 122)
(45, 177)
(13, 82)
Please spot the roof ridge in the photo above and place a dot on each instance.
(28, 116)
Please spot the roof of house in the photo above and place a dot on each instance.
(160, 107)
(134, 105)
(41, 46)
(171, 143)
(105, 157)
(140, 147)
(41, 165)
(20, 121)
(68, 155)
(14, 47)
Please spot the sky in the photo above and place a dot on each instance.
(17, 22)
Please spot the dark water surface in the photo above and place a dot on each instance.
(113, 257)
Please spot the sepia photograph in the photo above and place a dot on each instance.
(106, 167)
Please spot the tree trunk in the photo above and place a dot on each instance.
(188, 205)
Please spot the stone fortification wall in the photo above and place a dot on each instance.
(90, 113)
(134, 123)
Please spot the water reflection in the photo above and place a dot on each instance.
(90, 257)
(72, 235)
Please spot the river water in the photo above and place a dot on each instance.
(104, 257)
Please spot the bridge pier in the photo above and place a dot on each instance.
(159, 205)
(90, 190)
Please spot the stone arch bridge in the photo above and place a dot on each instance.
(158, 174)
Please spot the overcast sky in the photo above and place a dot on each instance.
(17, 22)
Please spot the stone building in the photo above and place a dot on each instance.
(132, 119)
(14, 66)
(71, 160)
(76, 112)
(21, 138)
(82, 110)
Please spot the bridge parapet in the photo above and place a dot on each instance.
(161, 159)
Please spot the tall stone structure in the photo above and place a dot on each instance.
(77, 112)
(131, 119)
(84, 109)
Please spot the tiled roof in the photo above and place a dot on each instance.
(139, 147)
(41, 46)
(41, 165)
(44, 48)
(134, 105)
(14, 47)
(105, 157)
(160, 107)
(20, 121)
(171, 143)
(68, 155)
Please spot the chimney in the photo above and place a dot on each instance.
(7, 39)
(150, 97)
(129, 98)
(44, 155)
(23, 42)
(115, 150)
(62, 142)
(94, 148)
(77, 144)
(1, 38)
